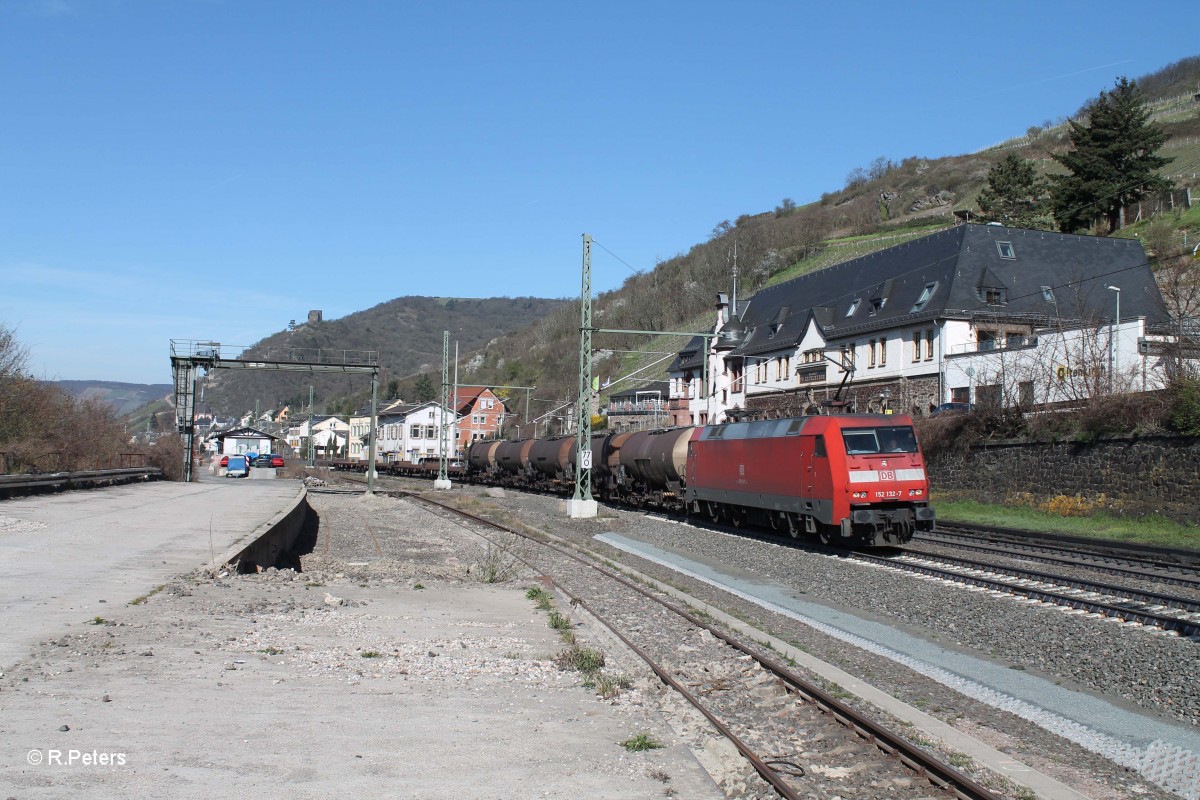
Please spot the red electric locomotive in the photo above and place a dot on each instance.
(855, 480)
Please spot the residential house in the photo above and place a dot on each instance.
(405, 432)
(940, 318)
(481, 414)
(642, 406)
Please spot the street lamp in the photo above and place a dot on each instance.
(884, 396)
(1114, 357)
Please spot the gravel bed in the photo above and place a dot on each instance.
(829, 759)
(1131, 667)
(1080, 572)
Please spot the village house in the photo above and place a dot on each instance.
(329, 436)
(481, 415)
(638, 407)
(975, 313)
(404, 432)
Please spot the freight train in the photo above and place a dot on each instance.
(852, 480)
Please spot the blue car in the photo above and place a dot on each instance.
(953, 408)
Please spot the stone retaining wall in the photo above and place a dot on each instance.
(1146, 475)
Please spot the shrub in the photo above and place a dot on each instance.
(1183, 403)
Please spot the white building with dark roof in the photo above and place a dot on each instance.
(972, 313)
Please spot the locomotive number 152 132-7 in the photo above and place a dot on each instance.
(887, 494)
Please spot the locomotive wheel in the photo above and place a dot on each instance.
(826, 534)
(714, 512)
(775, 521)
(737, 517)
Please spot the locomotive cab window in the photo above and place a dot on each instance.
(879, 441)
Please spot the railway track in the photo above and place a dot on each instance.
(1177, 615)
(1097, 553)
(800, 739)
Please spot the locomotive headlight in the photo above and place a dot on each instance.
(914, 492)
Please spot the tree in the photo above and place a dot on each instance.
(1112, 161)
(1014, 194)
(423, 391)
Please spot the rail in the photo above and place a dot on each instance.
(938, 773)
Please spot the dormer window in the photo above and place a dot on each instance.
(780, 318)
(1006, 250)
(993, 297)
(877, 304)
(853, 307)
(1048, 294)
(927, 293)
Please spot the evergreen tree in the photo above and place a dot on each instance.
(423, 391)
(1112, 161)
(1013, 194)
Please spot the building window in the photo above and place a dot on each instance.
(1025, 394)
(989, 395)
(927, 293)
(960, 394)
(853, 307)
(883, 352)
(916, 346)
(877, 304)
(870, 354)
(1006, 250)
(929, 344)
(993, 296)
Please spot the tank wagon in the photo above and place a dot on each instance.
(855, 480)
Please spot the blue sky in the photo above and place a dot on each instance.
(210, 169)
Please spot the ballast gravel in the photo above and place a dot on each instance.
(1150, 673)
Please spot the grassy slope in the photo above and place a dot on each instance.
(1148, 530)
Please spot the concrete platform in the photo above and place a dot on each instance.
(64, 558)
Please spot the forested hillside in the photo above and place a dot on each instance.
(405, 332)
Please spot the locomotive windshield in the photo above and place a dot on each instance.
(870, 441)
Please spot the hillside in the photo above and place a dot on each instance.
(880, 205)
(124, 398)
(406, 333)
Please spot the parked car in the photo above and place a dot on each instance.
(237, 467)
(224, 461)
(953, 408)
(269, 460)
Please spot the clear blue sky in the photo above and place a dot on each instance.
(202, 169)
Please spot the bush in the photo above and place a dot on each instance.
(1183, 407)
